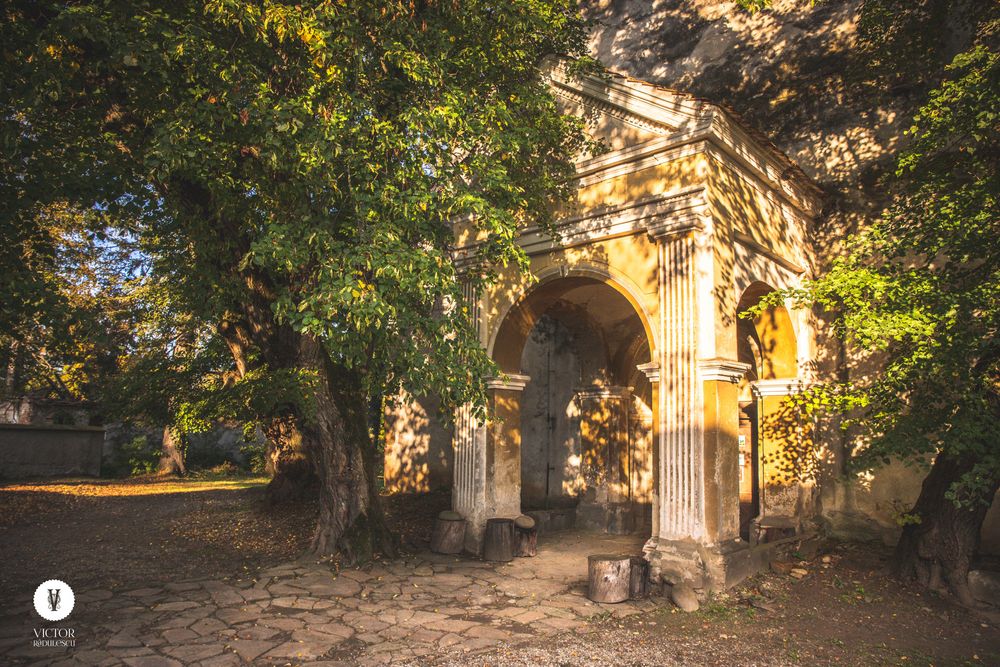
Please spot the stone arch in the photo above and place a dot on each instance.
(768, 341)
(610, 479)
(518, 317)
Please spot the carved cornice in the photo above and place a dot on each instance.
(612, 110)
(724, 370)
(600, 392)
(778, 387)
(657, 216)
(509, 382)
(651, 370)
(656, 109)
(759, 248)
(676, 225)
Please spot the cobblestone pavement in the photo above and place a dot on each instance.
(411, 610)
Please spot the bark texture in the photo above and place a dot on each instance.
(172, 454)
(288, 462)
(351, 521)
(939, 549)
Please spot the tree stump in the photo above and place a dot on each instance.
(638, 580)
(608, 577)
(526, 534)
(448, 536)
(498, 542)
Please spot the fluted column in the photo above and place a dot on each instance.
(469, 441)
(652, 372)
(681, 471)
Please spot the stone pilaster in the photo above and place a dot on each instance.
(784, 502)
(722, 480)
(652, 373)
(469, 442)
(680, 400)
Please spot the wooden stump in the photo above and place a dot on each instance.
(608, 577)
(638, 580)
(448, 536)
(526, 534)
(498, 542)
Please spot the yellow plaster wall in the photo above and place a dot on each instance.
(630, 261)
(418, 449)
(677, 174)
(744, 208)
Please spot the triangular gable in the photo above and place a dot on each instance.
(660, 110)
(627, 112)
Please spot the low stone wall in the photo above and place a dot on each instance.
(43, 451)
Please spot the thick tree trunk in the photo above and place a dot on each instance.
(171, 454)
(330, 448)
(938, 550)
(293, 477)
(351, 521)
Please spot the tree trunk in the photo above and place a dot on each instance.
(351, 521)
(172, 454)
(938, 550)
(329, 449)
(293, 478)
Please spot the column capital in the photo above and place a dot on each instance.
(683, 214)
(601, 392)
(778, 387)
(668, 227)
(509, 382)
(651, 370)
(724, 370)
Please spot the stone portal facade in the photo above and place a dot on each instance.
(633, 398)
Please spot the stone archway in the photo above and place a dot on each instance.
(577, 427)
(678, 220)
(767, 344)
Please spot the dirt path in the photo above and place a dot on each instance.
(147, 538)
(843, 612)
(118, 534)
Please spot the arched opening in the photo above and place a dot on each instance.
(767, 344)
(586, 443)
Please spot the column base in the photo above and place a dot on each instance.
(711, 568)
(474, 528)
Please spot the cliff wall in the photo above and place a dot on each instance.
(794, 73)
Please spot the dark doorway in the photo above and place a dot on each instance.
(749, 453)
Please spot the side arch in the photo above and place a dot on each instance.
(516, 318)
(768, 341)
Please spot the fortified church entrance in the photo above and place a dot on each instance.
(633, 397)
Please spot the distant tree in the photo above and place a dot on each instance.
(296, 169)
(62, 331)
(919, 291)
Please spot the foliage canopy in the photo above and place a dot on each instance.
(920, 290)
(295, 167)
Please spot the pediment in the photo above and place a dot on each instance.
(625, 112)
(634, 116)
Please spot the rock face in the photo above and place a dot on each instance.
(791, 72)
(684, 597)
(786, 71)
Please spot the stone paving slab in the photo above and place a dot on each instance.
(406, 611)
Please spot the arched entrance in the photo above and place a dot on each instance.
(585, 417)
(766, 343)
